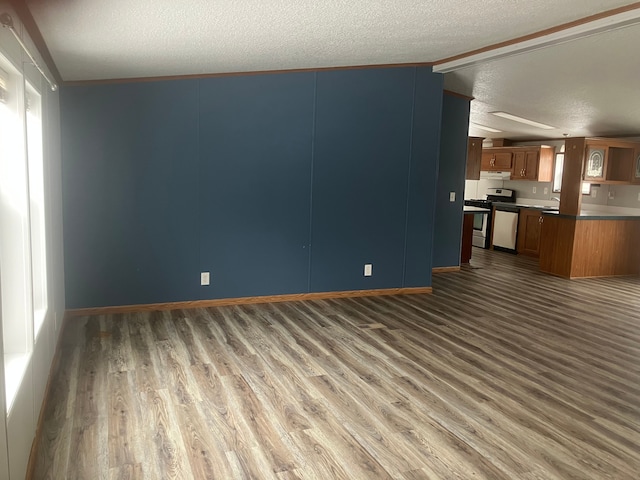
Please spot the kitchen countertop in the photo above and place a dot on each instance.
(596, 215)
(475, 210)
(585, 214)
(549, 208)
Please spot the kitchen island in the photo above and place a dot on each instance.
(594, 243)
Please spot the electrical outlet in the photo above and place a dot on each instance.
(546, 191)
(534, 189)
(639, 197)
(452, 196)
(594, 192)
(204, 278)
(368, 269)
(612, 195)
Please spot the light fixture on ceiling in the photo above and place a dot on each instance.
(526, 121)
(486, 129)
(616, 18)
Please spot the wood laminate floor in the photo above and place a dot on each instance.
(501, 373)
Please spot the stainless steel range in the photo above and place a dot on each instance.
(482, 222)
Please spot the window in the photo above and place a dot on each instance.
(15, 252)
(33, 105)
(557, 174)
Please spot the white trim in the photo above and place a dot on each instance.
(601, 25)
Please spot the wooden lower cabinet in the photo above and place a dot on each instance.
(467, 238)
(529, 232)
(578, 248)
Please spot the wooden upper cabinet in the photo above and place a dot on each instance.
(533, 163)
(532, 166)
(474, 158)
(496, 160)
(611, 161)
(595, 163)
(519, 166)
(620, 164)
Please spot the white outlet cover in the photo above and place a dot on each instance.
(534, 189)
(546, 190)
(368, 269)
(452, 196)
(204, 278)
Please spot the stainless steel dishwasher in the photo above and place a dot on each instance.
(505, 228)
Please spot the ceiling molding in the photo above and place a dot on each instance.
(600, 22)
(24, 14)
(456, 94)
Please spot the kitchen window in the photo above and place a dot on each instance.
(557, 174)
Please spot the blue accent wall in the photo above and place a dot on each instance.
(274, 183)
(130, 198)
(254, 181)
(427, 114)
(362, 149)
(451, 174)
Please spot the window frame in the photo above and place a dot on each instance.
(37, 204)
(556, 186)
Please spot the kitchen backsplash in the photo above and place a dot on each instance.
(477, 189)
(612, 195)
(615, 195)
(524, 189)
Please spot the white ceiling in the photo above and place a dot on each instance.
(586, 87)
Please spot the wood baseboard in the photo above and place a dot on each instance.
(445, 269)
(245, 300)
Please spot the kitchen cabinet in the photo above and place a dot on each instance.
(533, 164)
(496, 160)
(635, 168)
(474, 158)
(529, 232)
(584, 246)
(467, 237)
(611, 161)
(595, 163)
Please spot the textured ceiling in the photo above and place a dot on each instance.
(586, 87)
(583, 87)
(103, 39)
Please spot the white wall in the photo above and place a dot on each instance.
(21, 421)
(477, 189)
